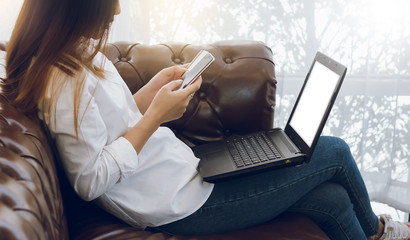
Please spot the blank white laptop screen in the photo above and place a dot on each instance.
(313, 102)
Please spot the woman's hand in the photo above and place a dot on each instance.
(144, 96)
(170, 102)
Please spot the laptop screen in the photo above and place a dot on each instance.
(314, 101)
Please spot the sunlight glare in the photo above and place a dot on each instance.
(8, 18)
(386, 15)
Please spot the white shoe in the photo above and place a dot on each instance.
(394, 230)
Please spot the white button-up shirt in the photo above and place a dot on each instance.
(155, 187)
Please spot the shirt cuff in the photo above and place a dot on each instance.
(124, 156)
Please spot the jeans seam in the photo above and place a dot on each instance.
(359, 200)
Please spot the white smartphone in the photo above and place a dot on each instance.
(201, 61)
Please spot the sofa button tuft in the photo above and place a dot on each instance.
(228, 60)
(124, 59)
(202, 95)
(177, 60)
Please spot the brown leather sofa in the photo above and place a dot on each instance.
(237, 96)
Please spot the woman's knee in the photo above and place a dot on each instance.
(333, 143)
(333, 149)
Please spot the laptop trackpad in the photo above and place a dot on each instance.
(215, 163)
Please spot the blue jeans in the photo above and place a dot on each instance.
(329, 190)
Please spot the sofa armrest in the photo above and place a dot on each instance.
(238, 91)
(31, 204)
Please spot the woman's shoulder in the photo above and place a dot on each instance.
(84, 81)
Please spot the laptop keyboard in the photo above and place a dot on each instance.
(252, 149)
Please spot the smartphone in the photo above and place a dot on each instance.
(201, 61)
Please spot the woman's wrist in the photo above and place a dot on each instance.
(150, 120)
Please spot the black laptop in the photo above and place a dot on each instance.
(246, 154)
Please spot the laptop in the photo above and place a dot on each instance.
(240, 155)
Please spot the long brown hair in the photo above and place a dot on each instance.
(66, 34)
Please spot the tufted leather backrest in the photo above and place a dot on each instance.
(238, 91)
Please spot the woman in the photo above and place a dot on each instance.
(115, 152)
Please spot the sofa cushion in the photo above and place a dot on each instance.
(287, 226)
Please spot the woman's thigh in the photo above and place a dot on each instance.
(254, 199)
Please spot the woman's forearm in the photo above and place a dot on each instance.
(142, 131)
(143, 99)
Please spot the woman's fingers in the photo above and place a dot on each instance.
(177, 71)
(192, 88)
(174, 85)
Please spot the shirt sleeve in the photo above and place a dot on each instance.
(92, 164)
